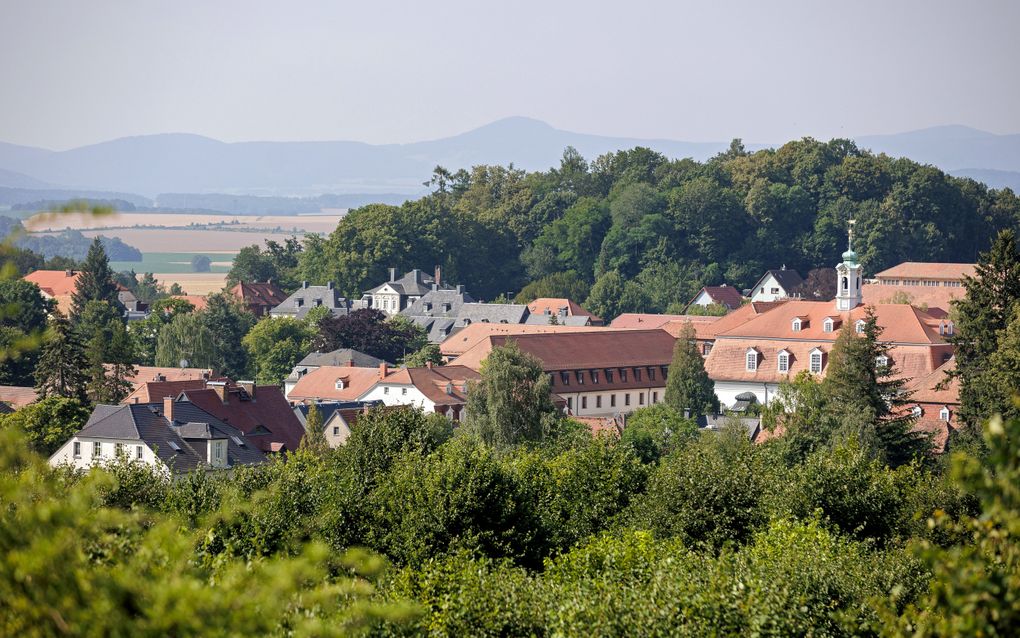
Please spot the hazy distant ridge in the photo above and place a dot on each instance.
(183, 163)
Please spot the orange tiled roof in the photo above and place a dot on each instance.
(935, 300)
(900, 323)
(926, 270)
(469, 336)
(433, 381)
(321, 383)
(199, 301)
(55, 283)
(605, 348)
(145, 374)
(263, 293)
(925, 388)
(554, 304)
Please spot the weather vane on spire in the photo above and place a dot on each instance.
(850, 235)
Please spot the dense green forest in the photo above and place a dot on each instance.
(636, 225)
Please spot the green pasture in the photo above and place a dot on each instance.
(171, 262)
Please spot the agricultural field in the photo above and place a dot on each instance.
(288, 224)
(175, 262)
(194, 283)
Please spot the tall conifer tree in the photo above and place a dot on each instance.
(62, 368)
(95, 283)
(688, 385)
(981, 318)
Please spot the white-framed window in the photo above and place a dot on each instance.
(641, 398)
(859, 326)
(751, 360)
(598, 401)
(816, 361)
(118, 449)
(403, 391)
(386, 389)
(77, 449)
(340, 384)
(655, 397)
(138, 452)
(783, 361)
(219, 453)
(612, 400)
(917, 411)
(944, 413)
(796, 324)
(584, 403)
(626, 398)
(336, 430)
(706, 348)
(881, 361)
(97, 449)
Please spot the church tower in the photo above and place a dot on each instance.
(848, 276)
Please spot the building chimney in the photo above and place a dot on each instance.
(350, 363)
(168, 408)
(304, 284)
(329, 285)
(460, 289)
(383, 370)
(69, 273)
(439, 273)
(248, 386)
(393, 274)
(220, 388)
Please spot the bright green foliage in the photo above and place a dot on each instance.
(23, 312)
(605, 296)
(1001, 372)
(655, 431)
(558, 285)
(981, 317)
(145, 332)
(688, 386)
(62, 364)
(95, 283)
(228, 321)
(109, 360)
(185, 338)
(314, 439)
(711, 310)
(976, 580)
(48, 423)
(427, 354)
(512, 403)
(70, 566)
(705, 493)
(274, 346)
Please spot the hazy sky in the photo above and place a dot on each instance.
(76, 72)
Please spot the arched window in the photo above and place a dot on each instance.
(752, 360)
(859, 326)
(816, 361)
(783, 361)
(846, 284)
(944, 413)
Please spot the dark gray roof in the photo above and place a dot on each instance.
(442, 302)
(492, 313)
(180, 445)
(720, 421)
(307, 297)
(328, 408)
(788, 279)
(413, 283)
(341, 357)
(441, 312)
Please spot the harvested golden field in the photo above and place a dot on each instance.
(194, 283)
(286, 223)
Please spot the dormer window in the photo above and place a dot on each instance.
(944, 414)
(917, 411)
(580, 377)
(783, 361)
(859, 326)
(830, 324)
(341, 384)
(565, 377)
(881, 362)
(594, 376)
(796, 324)
(299, 302)
(751, 360)
(816, 361)
(609, 376)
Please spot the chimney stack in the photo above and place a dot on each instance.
(460, 289)
(438, 277)
(329, 285)
(304, 284)
(383, 370)
(220, 388)
(428, 364)
(168, 408)
(393, 274)
(248, 386)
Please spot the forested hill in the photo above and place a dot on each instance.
(647, 231)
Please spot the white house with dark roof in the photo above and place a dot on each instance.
(776, 284)
(307, 297)
(397, 294)
(176, 437)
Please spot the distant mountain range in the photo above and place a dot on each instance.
(153, 168)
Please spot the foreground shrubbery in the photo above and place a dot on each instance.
(564, 537)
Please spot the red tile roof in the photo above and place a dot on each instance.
(259, 293)
(555, 304)
(145, 374)
(55, 282)
(433, 382)
(469, 336)
(935, 300)
(926, 388)
(605, 348)
(156, 391)
(926, 270)
(17, 396)
(267, 409)
(321, 383)
(199, 301)
(725, 295)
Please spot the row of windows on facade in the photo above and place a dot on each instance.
(831, 324)
(610, 374)
(814, 364)
(612, 400)
(97, 450)
(930, 283)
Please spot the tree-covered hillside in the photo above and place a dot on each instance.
(665, 226)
